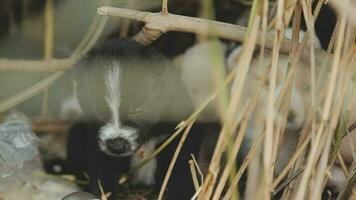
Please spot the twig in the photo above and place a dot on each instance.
(48, 42)
(158, 23)
(29, 92)
(290, 164)
(49, 30)
(352, 127)
(194, 175)
(197, 166)
(286, 182)
(164, 7)
(244, 165)
(50, 126)
(225, 133)
(51, 65)
(103, 196)
(174, 159)
(301, 191)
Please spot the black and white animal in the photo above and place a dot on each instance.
(89, 164)
(125, 91)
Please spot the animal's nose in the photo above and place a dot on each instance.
(118, 145)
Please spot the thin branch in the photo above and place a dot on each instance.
(51, 126)
(158, 23)
(164, 7)
(174, 159)
(29, 92)
(51, 65)
(194, 175)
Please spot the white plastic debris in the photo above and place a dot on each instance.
(17, 143)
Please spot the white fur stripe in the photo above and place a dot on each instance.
(113, 93)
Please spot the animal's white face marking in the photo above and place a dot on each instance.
(114, 128)
(110, 131)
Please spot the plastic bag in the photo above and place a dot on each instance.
(17, 143)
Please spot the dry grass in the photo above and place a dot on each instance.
(331, 74)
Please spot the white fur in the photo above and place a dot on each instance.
(113, 93)
(114, 128)
(146, 174)
(198, 75)
(70, 107)
(337, 179)
(288, 34)
(110, 131)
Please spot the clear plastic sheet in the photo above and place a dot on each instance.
(17, 144)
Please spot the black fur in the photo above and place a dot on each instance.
(86, 160)
(89, 164)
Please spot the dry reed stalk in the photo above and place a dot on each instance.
(264, 25)
(250, 105)
(301, 191)
(174, 159)
(193, 166)
(242, 63)
(233, 153)
(48, 36)
(342, 164)
(48, 41)
(244, 165)
(308, 17)
(283, 100)
(291, 162)
(194, 175)
(269, 136)
(343, 86)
